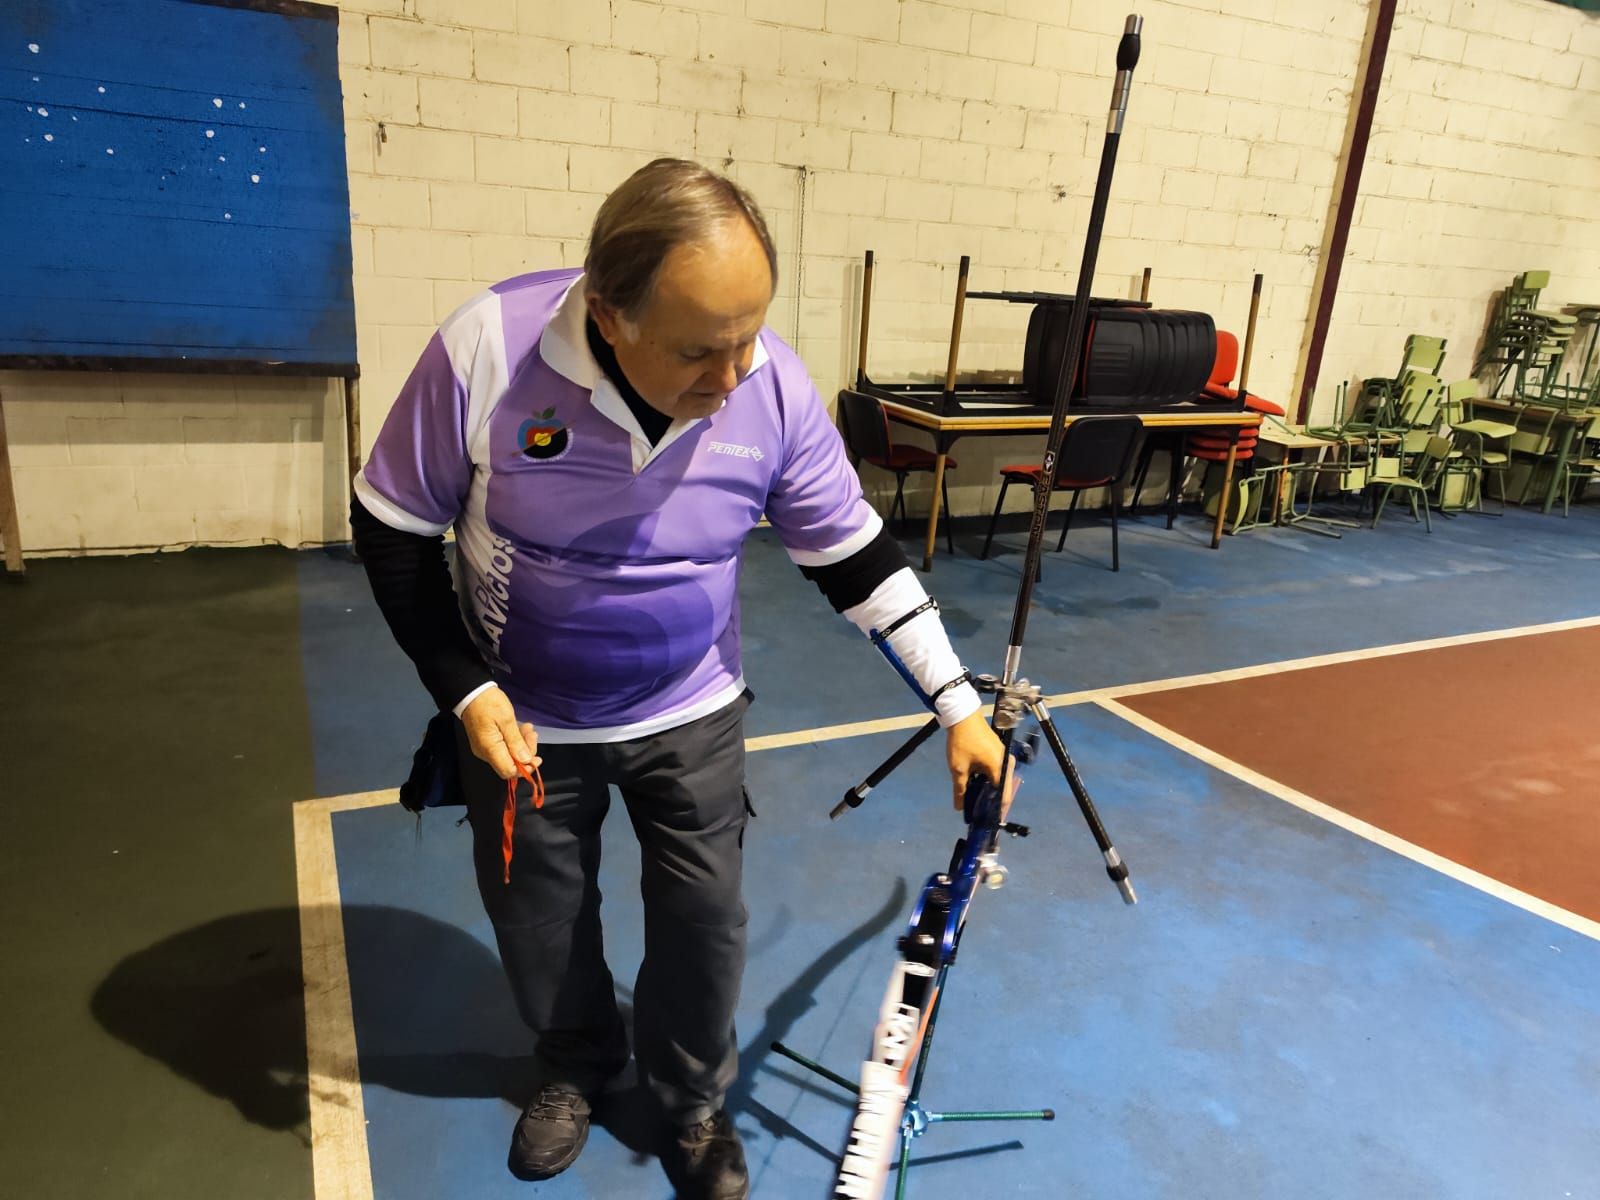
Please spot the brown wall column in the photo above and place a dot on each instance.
(1348, 188)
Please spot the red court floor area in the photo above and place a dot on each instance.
(1486, 753)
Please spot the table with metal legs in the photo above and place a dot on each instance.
(1293, 442)
(946, 430)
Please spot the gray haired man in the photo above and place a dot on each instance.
(602, 442)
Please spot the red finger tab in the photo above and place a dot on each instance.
(508, 822)
(509, 819)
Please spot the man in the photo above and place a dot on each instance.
(602, 443)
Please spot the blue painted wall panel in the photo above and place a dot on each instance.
(173, 184)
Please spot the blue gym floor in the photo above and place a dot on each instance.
(1291, 1010)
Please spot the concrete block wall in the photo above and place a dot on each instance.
(1484, 162)
(113, 463)
(482, 134)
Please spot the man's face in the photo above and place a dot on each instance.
(694, 340)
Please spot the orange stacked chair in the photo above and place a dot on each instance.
(1211, 447)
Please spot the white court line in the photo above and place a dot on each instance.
(340, 1169)
(828, 733)
(1342, 656)
(1362, 829)
(327, 805)
(340, 1166)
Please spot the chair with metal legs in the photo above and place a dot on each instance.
(1423, 476)
(1096, 452)
(1485, 445)
(865, 427)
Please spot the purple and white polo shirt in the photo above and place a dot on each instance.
(600, 574)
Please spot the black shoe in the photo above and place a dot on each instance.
(706, 1161)
(550, 1133)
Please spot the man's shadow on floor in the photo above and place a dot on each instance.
(223, 1006)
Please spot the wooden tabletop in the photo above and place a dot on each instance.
(1293, 437)
(1540, 409)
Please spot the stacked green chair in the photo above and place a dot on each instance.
(1525, 342)
(1548, 429)
(1406, 425)
(1544, 339)
(1521, 296)
(1483, 445)
(1417, 481)
(1587, 333)
(1379, 397)
(1581, 465)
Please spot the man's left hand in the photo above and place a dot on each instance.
(972, 746)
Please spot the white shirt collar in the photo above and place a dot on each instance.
(564, 344)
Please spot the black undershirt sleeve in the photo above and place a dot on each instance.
(850, 581)
(411, 583)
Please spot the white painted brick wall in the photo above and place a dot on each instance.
(927, 130)
(109, 463)
(1483, 164)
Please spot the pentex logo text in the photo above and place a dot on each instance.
(733, 451)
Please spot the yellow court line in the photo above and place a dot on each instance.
(1363, 829)
(340, 1166)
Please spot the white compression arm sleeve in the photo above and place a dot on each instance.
(921, 643)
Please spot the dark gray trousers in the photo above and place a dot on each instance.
(684, 790)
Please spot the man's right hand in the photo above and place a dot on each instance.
(495, 736)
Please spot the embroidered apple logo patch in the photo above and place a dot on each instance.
(544, 435)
